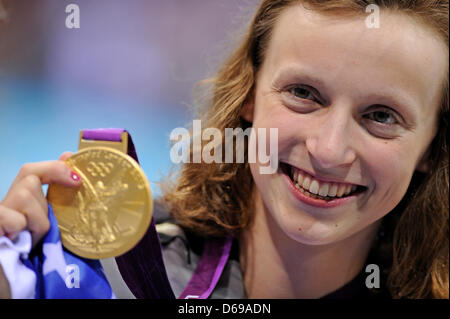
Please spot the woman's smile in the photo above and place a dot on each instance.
(316, 191)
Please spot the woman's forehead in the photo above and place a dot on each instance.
(345, 54)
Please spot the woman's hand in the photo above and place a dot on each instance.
(25, 205)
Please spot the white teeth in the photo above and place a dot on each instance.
(314, 187)
(323, 191)
(333, 190)
(341, 190)
(300, 179)
(348, 189)
(306, 182)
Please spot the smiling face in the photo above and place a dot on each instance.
(356, 110)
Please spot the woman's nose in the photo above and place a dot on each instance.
(329, 143)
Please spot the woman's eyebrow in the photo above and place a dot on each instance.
(296, 72)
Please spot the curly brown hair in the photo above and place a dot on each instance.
(212, 199)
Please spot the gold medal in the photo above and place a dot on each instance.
(112, 209)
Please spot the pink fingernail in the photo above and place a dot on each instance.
(75, 176)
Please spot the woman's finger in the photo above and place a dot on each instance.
(37, 222)
(33, 184)
(48, 173)
(11, 222)
(65, 156)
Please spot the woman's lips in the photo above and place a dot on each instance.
(301, 195)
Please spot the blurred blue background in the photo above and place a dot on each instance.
(132, 64)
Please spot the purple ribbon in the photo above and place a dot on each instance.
(209, 269)
(104, 134)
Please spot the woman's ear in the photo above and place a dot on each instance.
(247, 109)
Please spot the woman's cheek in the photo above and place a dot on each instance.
(391, 175)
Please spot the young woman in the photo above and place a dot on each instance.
(361, 113)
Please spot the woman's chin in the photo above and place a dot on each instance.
(311, 234)
(307, 229)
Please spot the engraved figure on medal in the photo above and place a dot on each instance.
(96, 224)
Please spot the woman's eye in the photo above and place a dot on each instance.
(383, 123)
(300, 98)
(302, 93)
(382, 117)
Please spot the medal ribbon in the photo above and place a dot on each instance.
(142, 268)
(209, 269)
